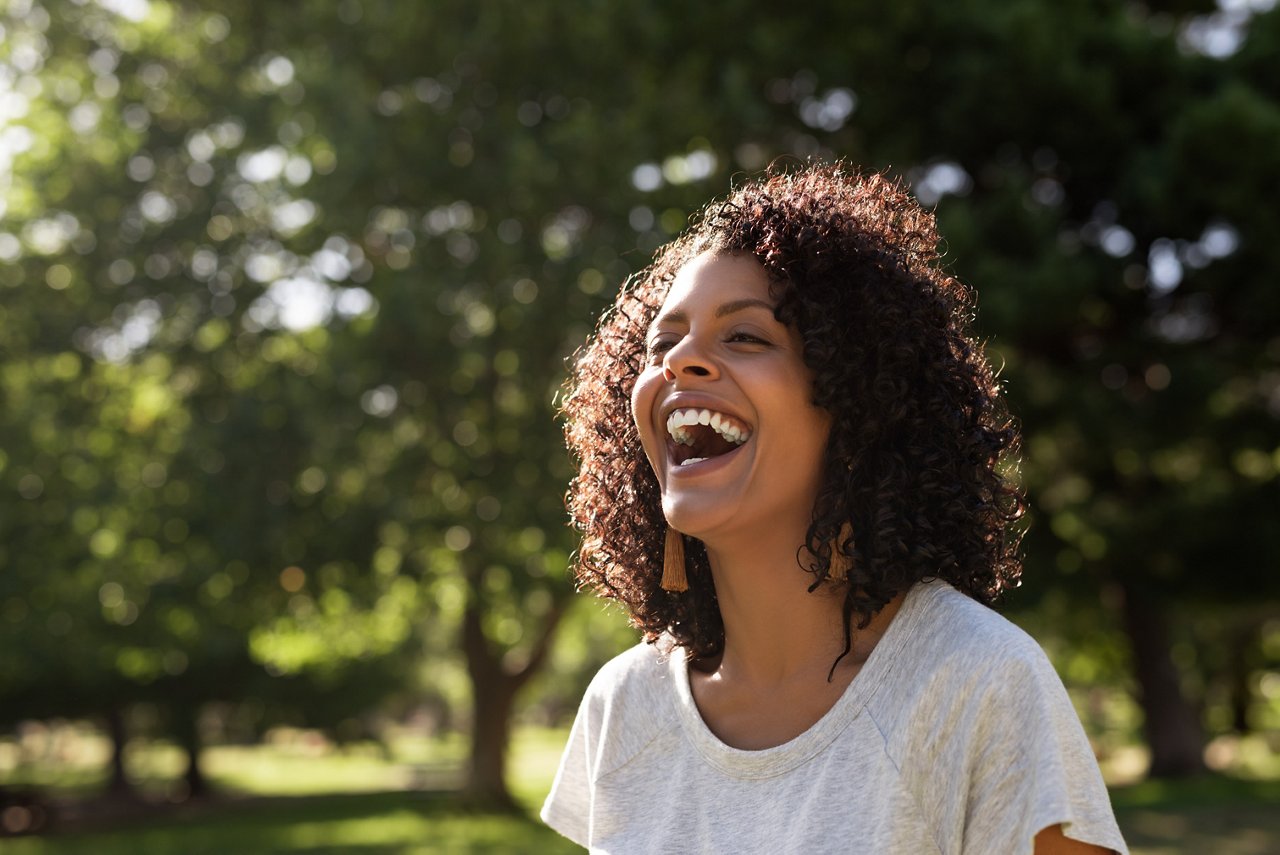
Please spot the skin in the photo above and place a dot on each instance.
(715, 344)
(1051, 841)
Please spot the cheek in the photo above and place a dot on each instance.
(810, 422)
(643, 397)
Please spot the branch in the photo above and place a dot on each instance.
(543, 645)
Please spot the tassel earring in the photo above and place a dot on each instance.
(674, 577)
(840, 563)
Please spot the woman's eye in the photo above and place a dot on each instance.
(747, 338)
(658, 346)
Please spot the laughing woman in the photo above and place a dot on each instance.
(791, 475)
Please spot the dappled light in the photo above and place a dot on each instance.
(288, 294)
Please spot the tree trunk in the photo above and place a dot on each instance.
(494, 687)
(118, 784)
(1172, 728)
(1243, 643)
(490, 735)
(188, 728)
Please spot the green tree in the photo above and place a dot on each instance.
(167, 452)
(290, 291)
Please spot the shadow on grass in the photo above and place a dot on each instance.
(1209, 814)
(1223, 816)
(365, 823)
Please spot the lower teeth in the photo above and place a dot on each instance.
(694, 460)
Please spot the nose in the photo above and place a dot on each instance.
(686, 360)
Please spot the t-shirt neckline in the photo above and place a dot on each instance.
(780, 759)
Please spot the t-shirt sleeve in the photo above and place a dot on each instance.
(1031, 766)
(623, 711)
(568, 806)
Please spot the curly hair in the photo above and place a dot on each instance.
(917, 473)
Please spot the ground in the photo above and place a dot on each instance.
(281, 798)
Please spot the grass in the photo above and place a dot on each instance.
(1213, 814)
(297, 796)
(283, 797)
(369, 823)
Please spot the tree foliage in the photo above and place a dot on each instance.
(288, 291)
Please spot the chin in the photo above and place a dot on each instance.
(689, 516)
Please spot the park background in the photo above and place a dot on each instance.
(287, 292)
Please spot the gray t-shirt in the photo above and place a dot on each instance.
(955, 737)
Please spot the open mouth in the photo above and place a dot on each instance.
(696, 435)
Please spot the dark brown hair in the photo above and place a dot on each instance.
(916, 463)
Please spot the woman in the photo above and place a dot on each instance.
(791, 475)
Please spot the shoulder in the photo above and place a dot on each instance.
(965, 638)
(638, 671)
(983, 733)
(629, 702)
(958, 657)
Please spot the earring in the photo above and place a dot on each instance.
(674, 577)
(840, 563)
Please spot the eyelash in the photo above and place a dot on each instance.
(747, 337)
(662, 345)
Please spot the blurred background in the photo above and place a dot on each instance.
(286, 296)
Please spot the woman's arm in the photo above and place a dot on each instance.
(1051, 841)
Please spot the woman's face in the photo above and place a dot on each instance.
(716, 353)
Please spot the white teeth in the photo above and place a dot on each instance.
(720, 423)
(693, 460)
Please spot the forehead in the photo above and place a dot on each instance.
(712, 279)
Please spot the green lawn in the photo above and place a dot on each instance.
(1213, 815)
(284, 798)
(274, 802)
(367, 823)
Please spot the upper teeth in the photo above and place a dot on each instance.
(720, 423)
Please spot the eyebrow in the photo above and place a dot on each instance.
(677, 316)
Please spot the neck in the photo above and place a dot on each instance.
(775, 630)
